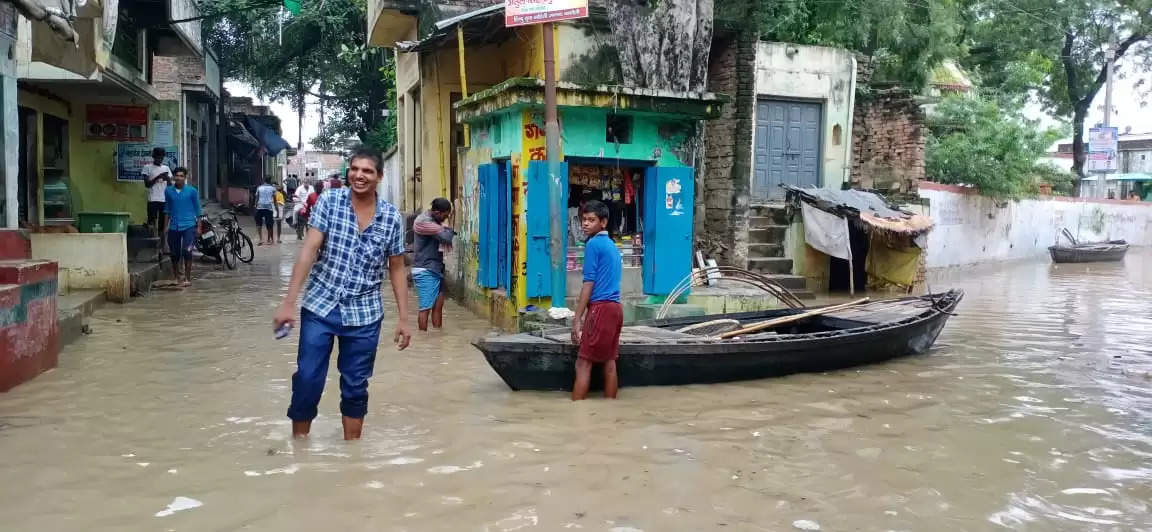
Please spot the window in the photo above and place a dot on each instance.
(129, 44)
(618, 129)
(57, 195)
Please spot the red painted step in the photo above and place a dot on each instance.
(27, 271)
(15, 244)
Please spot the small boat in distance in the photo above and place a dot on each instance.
(1110, 251)
(780, 342)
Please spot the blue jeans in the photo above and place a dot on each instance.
(181, 242)
(355, 362)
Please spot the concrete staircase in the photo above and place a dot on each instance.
(767, 228)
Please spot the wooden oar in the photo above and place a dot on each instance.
(788, 319)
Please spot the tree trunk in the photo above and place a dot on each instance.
(662, 47)
(299, 104)
(1079, 153)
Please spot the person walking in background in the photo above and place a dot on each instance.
(353, 234)
(598, 334)
(182, 204)
(279, 199)
(431, 238)
(265, 204)
(299, 208)
(156, 176)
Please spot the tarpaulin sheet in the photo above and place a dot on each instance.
(897, 266)
(826, 232)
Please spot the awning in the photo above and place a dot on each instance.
(871, 209)
(271, 140)
(482, 24)
(1136, 176)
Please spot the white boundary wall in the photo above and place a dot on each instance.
(970, 228)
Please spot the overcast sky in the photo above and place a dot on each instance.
(288, 118)
(1127, 110)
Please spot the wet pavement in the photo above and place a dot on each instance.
(1032, 413)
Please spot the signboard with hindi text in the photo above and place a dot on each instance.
(1103, 143)
(527, 12)
(132, 156)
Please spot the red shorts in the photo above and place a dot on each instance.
(600, 339)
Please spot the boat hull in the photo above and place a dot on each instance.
(1104, 253)
(525, 364)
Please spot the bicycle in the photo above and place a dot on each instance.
(237, 245)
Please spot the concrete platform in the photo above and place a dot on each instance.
(143, 274)
(74, 309)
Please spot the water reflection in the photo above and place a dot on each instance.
(1033, 413)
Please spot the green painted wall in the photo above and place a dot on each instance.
(654, 138)
(500, 134)
(92, 163)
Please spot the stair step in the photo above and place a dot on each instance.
(795, 283)
(14, 244)
(765, 250)
(773, 234)
(756, 222)
(26, 271)
(770, 265)
(777, 212)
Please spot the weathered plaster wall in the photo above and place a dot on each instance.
(88, 261)
(814, 73)
(971, 228)
(440, 77)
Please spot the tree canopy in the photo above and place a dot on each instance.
(317, 54)
(1053, 51)
(975, 141)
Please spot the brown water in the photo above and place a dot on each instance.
(1032, 413)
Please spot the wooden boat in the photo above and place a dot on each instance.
(1111, 251)
(655, 353)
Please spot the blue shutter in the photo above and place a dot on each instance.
(668, 205)
(536, 217)
(505, 217)
(539, 276)
(486, 273)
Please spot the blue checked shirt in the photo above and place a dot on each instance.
(351, 264)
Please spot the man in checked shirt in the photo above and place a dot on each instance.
(353, 234)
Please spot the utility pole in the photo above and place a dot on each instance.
(1109, 70)
(556, 211)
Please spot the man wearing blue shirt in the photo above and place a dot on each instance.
(353, 235)
(182, 205)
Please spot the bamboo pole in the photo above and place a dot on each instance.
(463, 79)
(789, 319)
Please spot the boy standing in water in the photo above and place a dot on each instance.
(598, 334)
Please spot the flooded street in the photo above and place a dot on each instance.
(1033, 412)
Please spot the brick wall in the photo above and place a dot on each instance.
(168, 73)
(728, 145)
(887, 137)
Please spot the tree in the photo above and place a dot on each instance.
(662, 44)
(1054, 52)
(975, 141)
(319, 54)
(904, 38)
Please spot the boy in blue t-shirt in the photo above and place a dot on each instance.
(598, 334)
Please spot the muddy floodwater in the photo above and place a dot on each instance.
(1033, 412)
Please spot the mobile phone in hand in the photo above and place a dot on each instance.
(283, 331)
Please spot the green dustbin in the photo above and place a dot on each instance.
(103, 222)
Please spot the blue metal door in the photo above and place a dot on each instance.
(488, 264)
(787, 147)
(668, 204)
(504, 274)
(538, 267)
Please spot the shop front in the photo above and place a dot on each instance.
(631, 149)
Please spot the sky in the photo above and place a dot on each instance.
(1126, 104)
(288, 118)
